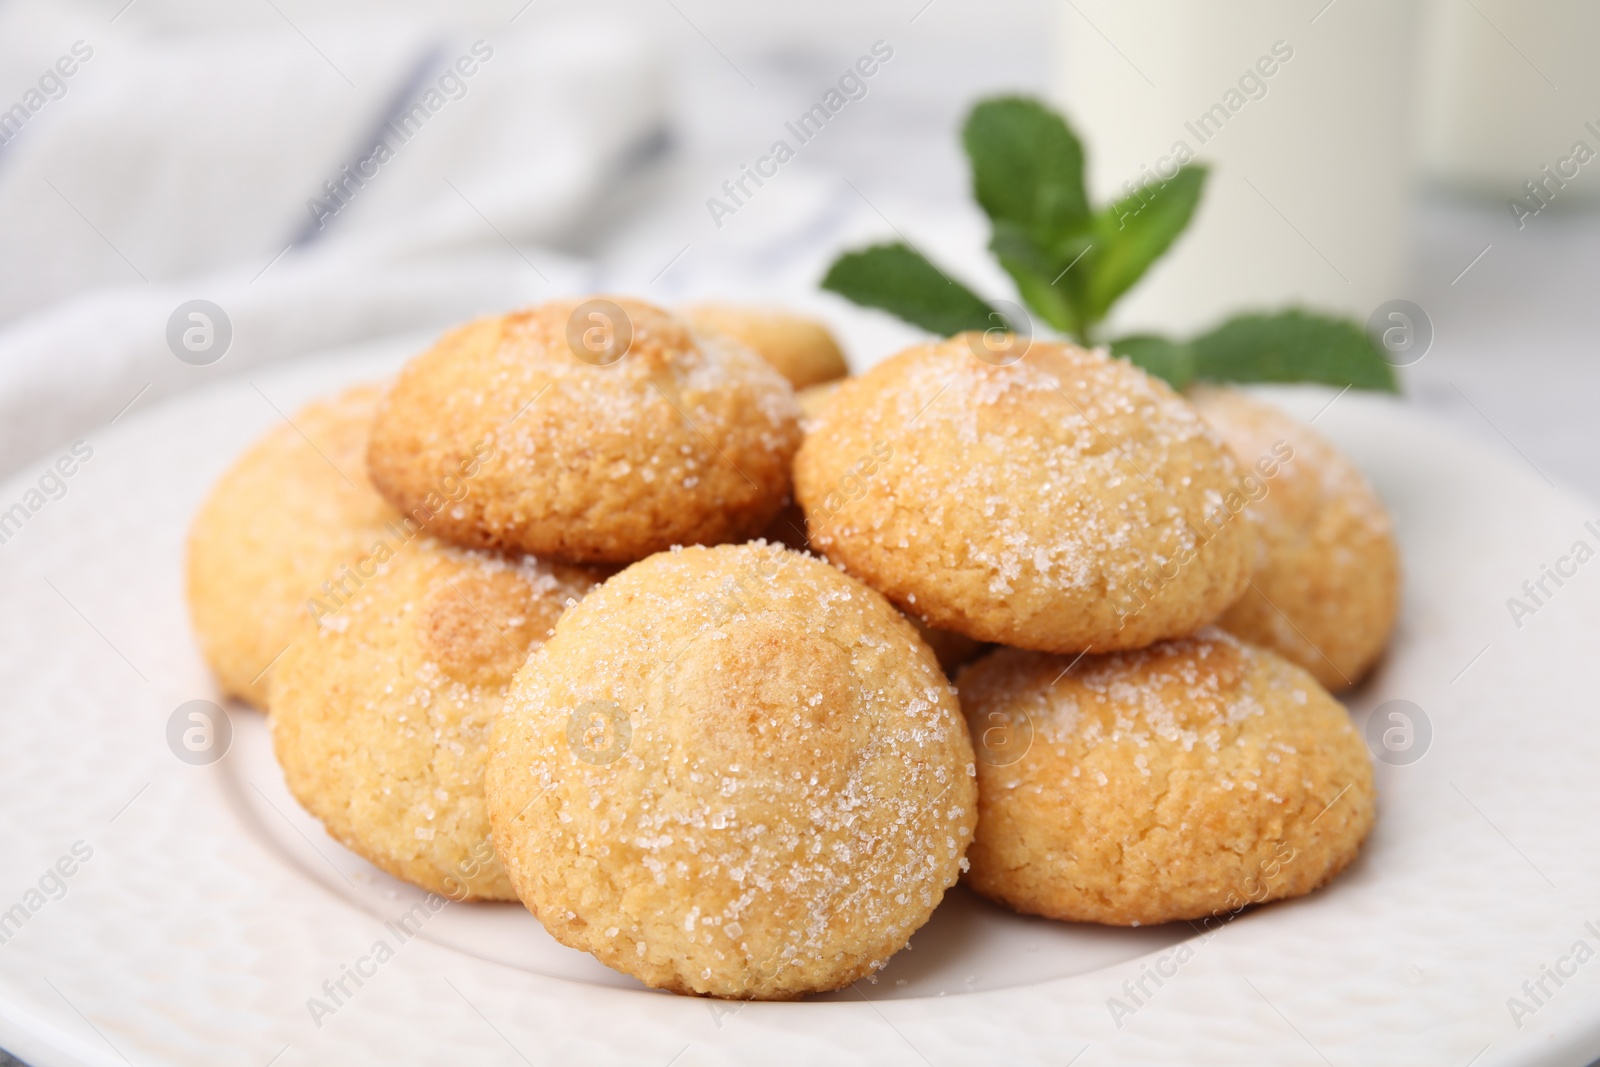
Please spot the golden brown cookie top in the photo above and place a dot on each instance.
(1191, 691)
(1312, 473)
(802, 349)
(591, 431)
(1326, 580)
(479, 626)
(382, 706)
(733, 771)
(1044, 502)
(1181, 781)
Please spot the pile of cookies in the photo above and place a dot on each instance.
(648, 621)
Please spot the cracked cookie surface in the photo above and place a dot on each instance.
(601, 456)
(1180, 781)
(1325, 589)
(733, 771)
(381, 708)
(1062, 502)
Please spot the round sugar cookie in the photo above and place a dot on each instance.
(1061, 502)
(599, 431)
(1325, 590)
(1179, 781)
(291, 513)
(733, 771)
(800, 348)
(381, 707)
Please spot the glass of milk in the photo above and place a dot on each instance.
(1511, 102)
(1303, 112)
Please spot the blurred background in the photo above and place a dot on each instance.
(332, 172)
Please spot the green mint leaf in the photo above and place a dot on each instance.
(1292, 346)
(900, 280)
(1035, 272)
(1027, 168)
(1170, 360)
(1134, 232)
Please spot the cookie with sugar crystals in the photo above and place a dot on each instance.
(802, 349)
(733, 771)
(381, 708)
(291, 513)
(1179, 781)
(1325, 590)
(1060, 502)
(600, 431)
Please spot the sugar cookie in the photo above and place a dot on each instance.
(1061, 502)
(1174, 782)
(599, 431)
(293, 510)
(1326, 586)
(732, 771)
(381, 708)
(800, 348)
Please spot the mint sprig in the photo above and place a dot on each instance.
(1071, 263)
(900, 280)
(1027, 171)
(1290, 346)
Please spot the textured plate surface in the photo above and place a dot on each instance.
(210, 910)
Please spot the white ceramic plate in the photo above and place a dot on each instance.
(210, 909)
